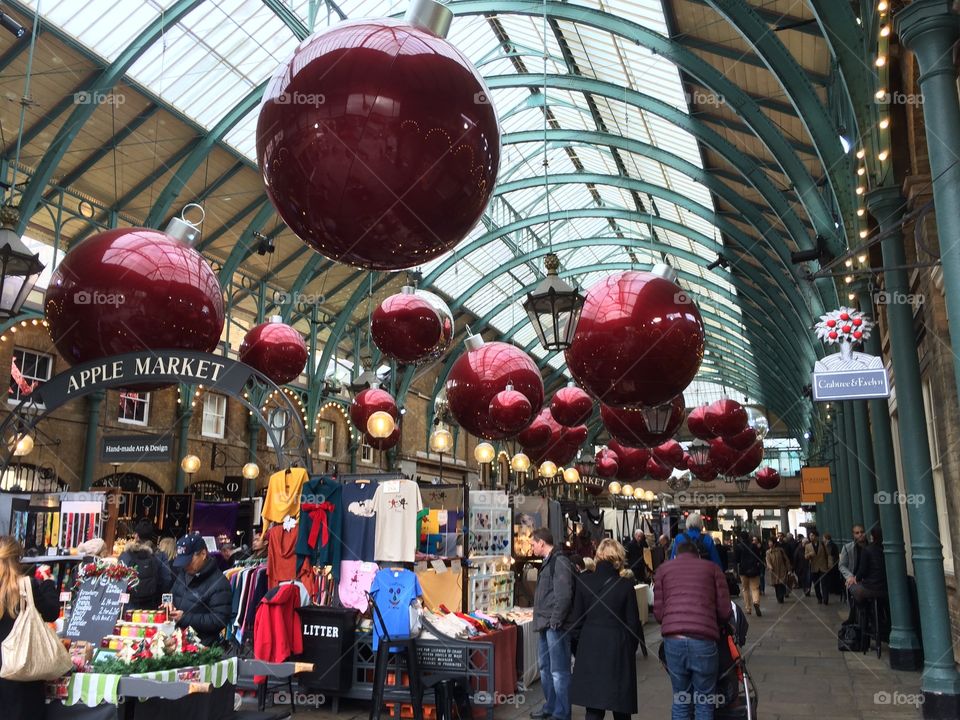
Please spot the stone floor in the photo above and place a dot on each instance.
(792, 656)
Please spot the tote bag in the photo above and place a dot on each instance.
(32, 651)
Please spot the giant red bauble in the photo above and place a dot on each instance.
(378, 144)
(632, 461)
(607, 463)
(639, 340)
(747, 460)
(369, 401)
(132, 289)
(696, 423)
(629, 425)
(669, 453)
(743, 439)
(383, 443)
(411, 328)
(510, 411)
(767, 478)
(482, 372)
(704, 472)
(658, 470)
(275, 349)
(571, 406)
(722, 455)
(537, 434)
(725, 417)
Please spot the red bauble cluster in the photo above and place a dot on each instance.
(562, 444)
(571, 406)
(705, 472)
(639, 340)
(132, 289)
(767, 478)
(629, 425)
(697, 425)
(607, 463)
(413, 326)
(670, 453)
(374, 147)
(725, 417)
(658, 470)
(633, 461)
(732, 461)
(480, 374)
(274, 349)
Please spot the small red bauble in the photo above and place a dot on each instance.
(632, 461)
(510, 411)
(669, 453)
(571, 406)
(725, 417)
(685, 463)
(275, 349)
(383, 443)
(377, 144)
(846, 328)
(607, 463)
(844, 316)
(832, 335)
(537, 434)
(831, 323)
(369, 401)
(639, 340)
(767, 478)
(411, 327)
(857, 334)
(696, 423)
(575, 435)
(132, 289)
(747, 460)
(484, 370)
(658, 470)
(858, 321)
(721, 455)
(704, 472)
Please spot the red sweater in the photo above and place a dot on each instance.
(276, 631)
(691, 598)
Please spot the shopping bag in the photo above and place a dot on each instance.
(32, 650)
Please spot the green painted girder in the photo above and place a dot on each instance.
(108, 147)
(727, 123)
(104, 83)
(811, 112)
(777, 20)
(800, 308)
(289, 17)
(64, 104)
(307, 273)
(695, 43)
(243, 248)
(24, 314)
(257, 204)
(199, 153)
(737, 100)
(655, 153)
(482, 322)
(16, 50)
(661, 193)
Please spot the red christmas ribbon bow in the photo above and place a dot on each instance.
(318, 519)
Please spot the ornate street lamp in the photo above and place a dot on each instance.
(554, 308)
(742, 483)
(699, 451)
(19, 268)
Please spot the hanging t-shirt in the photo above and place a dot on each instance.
(396, 503)
(281, 555)
(283, 494)
(356, 579)
(359, 523)
(393, 591)
(321, 523)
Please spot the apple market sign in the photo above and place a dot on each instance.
(848, 375)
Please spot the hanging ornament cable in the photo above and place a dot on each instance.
(546, 110)
(25, 101)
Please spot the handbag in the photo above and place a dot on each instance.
(849, 638)
(32, 651)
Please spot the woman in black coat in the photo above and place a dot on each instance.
(607, 634)
(21, 699)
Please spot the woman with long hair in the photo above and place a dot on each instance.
(21, 699)
(779, 567)
(607, 634)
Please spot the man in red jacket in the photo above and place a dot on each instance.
(691, 601)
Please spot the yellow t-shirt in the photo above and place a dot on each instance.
(283, 495)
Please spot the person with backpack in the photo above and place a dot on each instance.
(749, 566)
(154, 577)
(703, 543)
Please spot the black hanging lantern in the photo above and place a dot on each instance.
(19, 268)
(699, 452)
(554, 308)
(742, 483)
(657, 417)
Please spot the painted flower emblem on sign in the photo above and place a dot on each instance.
(844, 325)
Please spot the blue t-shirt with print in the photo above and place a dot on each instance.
(393, 591)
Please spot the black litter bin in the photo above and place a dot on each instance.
(328, 643)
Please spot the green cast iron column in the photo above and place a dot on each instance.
(183, 434)
(94, 400)
(905, 653)
(842, 476)
(853, 466)
(940, 683)
(930, 30)
(253, 434)
(865, 469)
(833, 499)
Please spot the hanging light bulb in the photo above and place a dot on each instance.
(880, 61)
(861, 212)
(613, 488)
(848, 262)
(885, 123)
(860, 190)
(626, 490)
(883, 155)
(548, 469)
(882, 6)
(520, 463)
(484, 452)
(381, 424)
(860, 154)
(862, 259)
(441, 439)
(571, 475)
(885, 31)
(880, 94)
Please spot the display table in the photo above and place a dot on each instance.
(504, 660)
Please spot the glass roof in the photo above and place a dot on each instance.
(217, 54)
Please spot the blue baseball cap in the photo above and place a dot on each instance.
(187, 547)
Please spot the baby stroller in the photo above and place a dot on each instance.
(737, 695)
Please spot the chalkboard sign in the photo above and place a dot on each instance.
(96, 608)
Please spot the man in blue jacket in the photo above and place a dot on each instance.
(701, 540)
